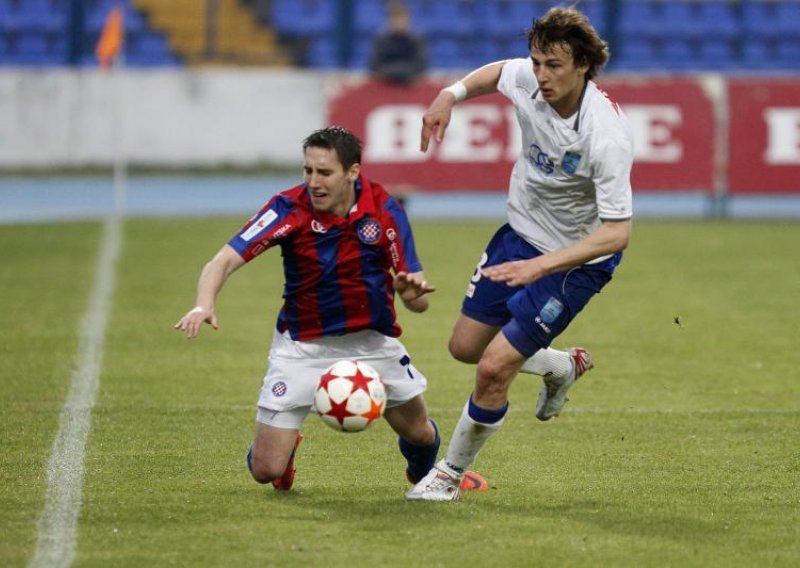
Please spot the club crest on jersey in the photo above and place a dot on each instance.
(318, 227)
(570, 162)
(368, 231)
(540, 159)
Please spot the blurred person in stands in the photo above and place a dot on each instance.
(398, 55)
(569, 218)
(347, 249)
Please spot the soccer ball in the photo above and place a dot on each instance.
(350, 396)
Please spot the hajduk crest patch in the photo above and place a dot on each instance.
(368, 231)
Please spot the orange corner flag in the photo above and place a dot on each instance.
(110, 44)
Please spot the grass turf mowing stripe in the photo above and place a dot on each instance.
(57, 526)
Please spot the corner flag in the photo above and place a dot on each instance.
(111, 39)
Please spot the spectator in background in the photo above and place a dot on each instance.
(398, 55)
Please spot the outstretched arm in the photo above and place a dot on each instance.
(212, 278)
(412, 289)
(481, 81)
(610, 237)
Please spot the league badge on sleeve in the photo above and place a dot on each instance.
(570, 162)
(368, 230)
(259, 225)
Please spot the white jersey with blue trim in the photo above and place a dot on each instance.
(572, 173)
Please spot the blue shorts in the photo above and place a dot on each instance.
(533, 315)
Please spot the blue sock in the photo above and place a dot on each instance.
(485, 415)
(250, 458)
(421, 459)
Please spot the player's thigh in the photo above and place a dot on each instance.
(470, 338)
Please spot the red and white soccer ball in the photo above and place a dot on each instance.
(350, 396)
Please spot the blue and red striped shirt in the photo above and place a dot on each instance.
(338, 271)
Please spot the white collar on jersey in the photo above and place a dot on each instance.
(577, 114)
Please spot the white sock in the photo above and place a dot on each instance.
(548, 362)
(467, 440)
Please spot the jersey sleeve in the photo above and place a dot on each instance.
(275, 221)
(612, 180)
(516, 73)
(402, 249)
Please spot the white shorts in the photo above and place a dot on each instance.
(295, 367)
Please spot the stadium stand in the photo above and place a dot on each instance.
(232, 35)
(645, 35)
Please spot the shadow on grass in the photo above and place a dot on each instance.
(386, 507)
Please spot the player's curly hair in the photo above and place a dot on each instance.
(568, 25)
(347, 145)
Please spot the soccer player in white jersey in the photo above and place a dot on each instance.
(569, 218)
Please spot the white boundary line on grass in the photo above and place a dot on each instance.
(57, 527)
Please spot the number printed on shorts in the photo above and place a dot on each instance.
(476, 276)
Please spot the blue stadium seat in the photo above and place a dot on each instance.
(39, 15)
(360, 54)
(788, 54)
(759, 20)
(370, 16)
(678, 54)
(507, 17)
(596, 12)
(680, 19)
(640, 20)
(451, 52)
(303, 18)
(501, 47)
(758, 54)
(788, 14)
(636, 54)
(452, 17)
(720, 19)
(323, 53)
(717, 54)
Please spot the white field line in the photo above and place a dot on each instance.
(57, 527)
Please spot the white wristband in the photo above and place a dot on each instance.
(458, 90)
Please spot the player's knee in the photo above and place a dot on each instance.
(422, 434)
(492, 375)
(461, 352)
(264, 471)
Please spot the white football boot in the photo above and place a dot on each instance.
(441, 483)
(553, 396)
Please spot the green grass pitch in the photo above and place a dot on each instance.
(679, 449)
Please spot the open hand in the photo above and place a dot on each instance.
(515, 273)
(411, 286)
(194, 319)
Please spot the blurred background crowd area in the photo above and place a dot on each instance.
(644, 35)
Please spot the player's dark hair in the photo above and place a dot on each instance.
(569, 26)
(344, 142)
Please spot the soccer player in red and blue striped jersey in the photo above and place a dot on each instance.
(347, 248)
